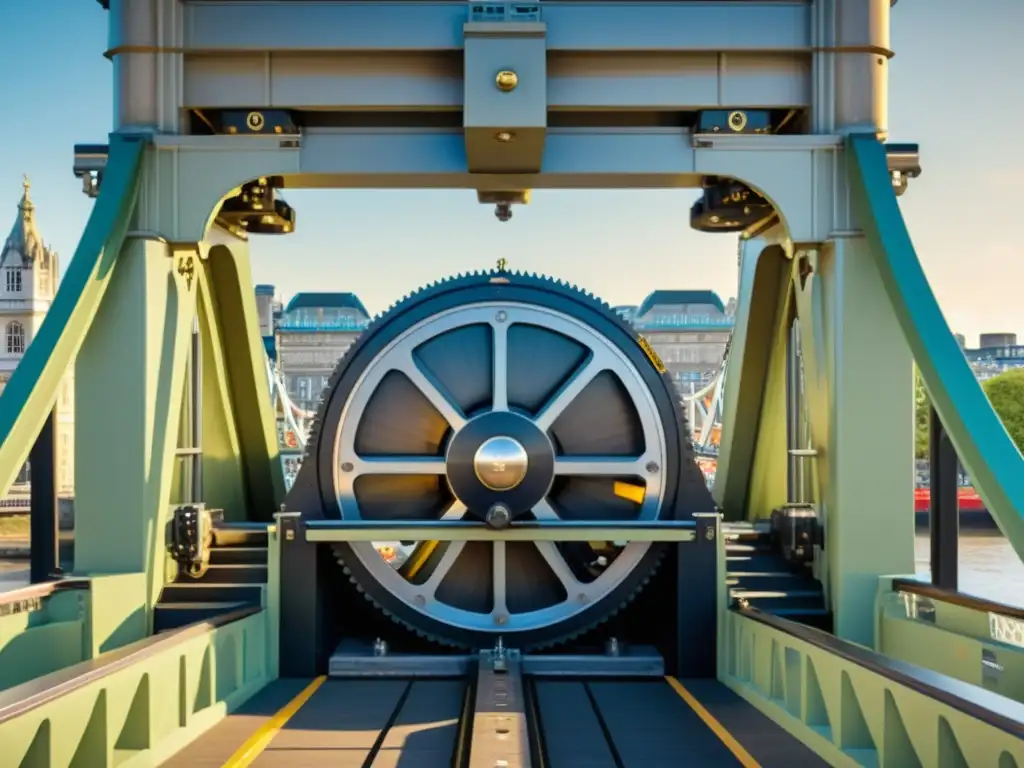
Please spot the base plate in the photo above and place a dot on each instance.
(352, 659)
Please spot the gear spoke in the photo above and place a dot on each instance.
(499, 583)
(585, 374)
(456, 511)
(500, 344)
(398, 465)
(559, 567)
(432, 391)
(619, 466)
(544, 511)
(443, 567)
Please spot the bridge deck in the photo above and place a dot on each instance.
(417, 724)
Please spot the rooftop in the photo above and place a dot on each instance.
(326, 300)
(24, 239)
(671, 298)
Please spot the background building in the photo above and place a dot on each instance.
(689, 330)
(312, 333)
(996, 353)
(29, 274)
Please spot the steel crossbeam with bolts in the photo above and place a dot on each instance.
(336, 530)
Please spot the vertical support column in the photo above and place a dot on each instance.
(792, 408)
(697, 590)
(865, 473)
(944, 519)
(862, 69)
(133, 35)
(196, 411)
(130, 377)
(44, 530)
(301, 644)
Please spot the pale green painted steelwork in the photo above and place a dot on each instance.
(42, 635)
(145, 711)
(272, 597)
(848, 714)
(32, 390)
(982, 443)
(859, 369)
(767, 482)
(142, 332)
(222, 465)
(764, 272)
(456, 532)
(856, 363)
(975, 646)
(149, 709)
(228, 276)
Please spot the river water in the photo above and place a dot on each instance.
(988, 568)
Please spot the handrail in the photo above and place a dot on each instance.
(954, 597)
(33, 694)
(39, 591)
(990, 708)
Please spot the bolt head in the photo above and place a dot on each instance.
(498, 516)
(652, 467)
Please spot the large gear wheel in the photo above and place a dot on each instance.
(508, 392)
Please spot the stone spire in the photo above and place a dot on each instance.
(24, 241)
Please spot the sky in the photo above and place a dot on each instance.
(955, 86)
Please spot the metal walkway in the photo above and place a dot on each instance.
(424, 724)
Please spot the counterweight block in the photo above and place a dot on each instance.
(496, 397)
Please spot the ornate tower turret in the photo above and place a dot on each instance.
(28, 282)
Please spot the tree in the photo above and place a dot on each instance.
(1006, 393)
(922, 412)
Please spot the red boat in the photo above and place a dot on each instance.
(969, 500)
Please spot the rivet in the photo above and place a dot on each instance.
(502, 316)
(420, 600)
(652, 467)
(501, 618)
(506, 80)
(347, 466)
(504, 137)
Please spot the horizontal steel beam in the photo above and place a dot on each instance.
(562, 530)
(264, 27)
(352, 661)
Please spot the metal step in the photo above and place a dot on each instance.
(240, 535)
(204, 592)
(171, 616)
(766, 580)
(244, 573)
(749, 548)
(773, 601)
(238, 556)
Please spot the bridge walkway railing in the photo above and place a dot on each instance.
(136, 705)
(857, 707)
(969, 638)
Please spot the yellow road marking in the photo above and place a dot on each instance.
(258, 742)
(716, 727)
(629, 491)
